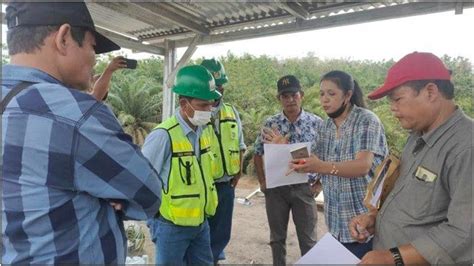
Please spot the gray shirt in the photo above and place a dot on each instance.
(430, 206)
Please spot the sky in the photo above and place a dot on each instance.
(440, 33)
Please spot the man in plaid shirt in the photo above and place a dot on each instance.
(297, 126)
(70, 175)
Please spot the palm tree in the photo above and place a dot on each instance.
(136, 102)
(5, 56)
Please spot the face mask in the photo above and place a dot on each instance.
(338, 112)
(200, 118)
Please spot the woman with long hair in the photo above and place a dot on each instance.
(351, 144)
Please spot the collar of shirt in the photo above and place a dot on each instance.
(11, 74)
(284, 119)
(218, 108)
(216, 116)
(430, 138)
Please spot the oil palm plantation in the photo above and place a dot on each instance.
(136, 102)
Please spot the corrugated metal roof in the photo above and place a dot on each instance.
(217, 14)
(146, 25)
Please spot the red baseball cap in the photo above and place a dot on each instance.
(414, 66)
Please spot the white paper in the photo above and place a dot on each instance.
(375, 198)
(328, 251)
(378, 186)
(276, 160)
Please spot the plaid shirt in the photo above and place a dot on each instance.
(65, 157)
(361, 131)
(304, 129)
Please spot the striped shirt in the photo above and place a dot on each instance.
(343, 197)
(65, 157)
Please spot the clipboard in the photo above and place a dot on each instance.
(386, 174)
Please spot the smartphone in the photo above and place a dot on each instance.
(299, 153)
(131, 63)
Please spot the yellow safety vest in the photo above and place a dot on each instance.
(225, 143)
(190, 195)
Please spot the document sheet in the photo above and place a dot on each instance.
(328, 251)
(276, 160)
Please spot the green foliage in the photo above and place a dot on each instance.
(136, 97)
(252, 89)
(464, 83)
(311, 101)
(5, 56)
(137, 104)
(395, 134)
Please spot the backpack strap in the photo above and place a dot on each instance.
(13, 92)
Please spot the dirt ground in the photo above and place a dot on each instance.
(249, 243)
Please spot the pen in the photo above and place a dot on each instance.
(301, 161)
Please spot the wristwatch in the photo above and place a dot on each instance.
(397, 257)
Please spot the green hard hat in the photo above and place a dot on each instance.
(217, 70)
(196, 82)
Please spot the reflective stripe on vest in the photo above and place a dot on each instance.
(190, 195)
(226, 143)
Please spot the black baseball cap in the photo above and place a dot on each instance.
(288, 83)
(56, 13)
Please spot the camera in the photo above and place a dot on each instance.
(131, 63)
